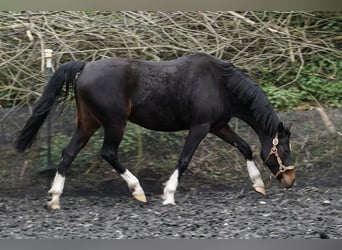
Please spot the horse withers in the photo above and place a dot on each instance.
(198, 93)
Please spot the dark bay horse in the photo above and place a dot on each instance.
(198, 93)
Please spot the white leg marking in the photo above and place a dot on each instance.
(170, 189)
(254, 174)
(134, 185)
(56, 190)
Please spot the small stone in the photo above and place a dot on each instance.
(326, 202)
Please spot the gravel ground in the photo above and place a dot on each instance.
(299, 213)
(95, 208)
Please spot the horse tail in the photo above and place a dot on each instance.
(65, 74)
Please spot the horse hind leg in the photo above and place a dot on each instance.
(112, 137)
(84, 130)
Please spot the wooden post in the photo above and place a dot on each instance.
(48, 60)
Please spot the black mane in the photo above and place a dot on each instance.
(251, 95)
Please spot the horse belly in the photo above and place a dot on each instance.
(160, 118)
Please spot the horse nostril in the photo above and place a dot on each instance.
(288, 179)
(283, 184)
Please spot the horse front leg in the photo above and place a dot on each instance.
(228, 135)
(194, 138)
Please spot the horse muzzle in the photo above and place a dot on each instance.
(287, 178)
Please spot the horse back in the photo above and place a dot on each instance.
(164, 96)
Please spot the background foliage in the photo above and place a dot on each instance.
(294, 56)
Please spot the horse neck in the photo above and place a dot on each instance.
(251, 104)
(265, 133)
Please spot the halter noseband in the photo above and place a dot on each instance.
(274, 151)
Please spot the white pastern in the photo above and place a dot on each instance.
(170, 189)
(254, 174)
(133, 183)
(56, 190)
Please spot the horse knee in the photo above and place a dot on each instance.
(182, 166)
(246, 151)
(109, 156)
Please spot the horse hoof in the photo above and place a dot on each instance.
(260, 190)
(169, 203)
(54, 206)
(140, 197)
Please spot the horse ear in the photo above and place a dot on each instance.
(283, 131)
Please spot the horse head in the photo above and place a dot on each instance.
(276, 154)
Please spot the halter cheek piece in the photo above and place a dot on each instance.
(274, 151)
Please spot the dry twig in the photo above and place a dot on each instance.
(252, 40)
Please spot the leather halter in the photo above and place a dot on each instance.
(274, 151)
